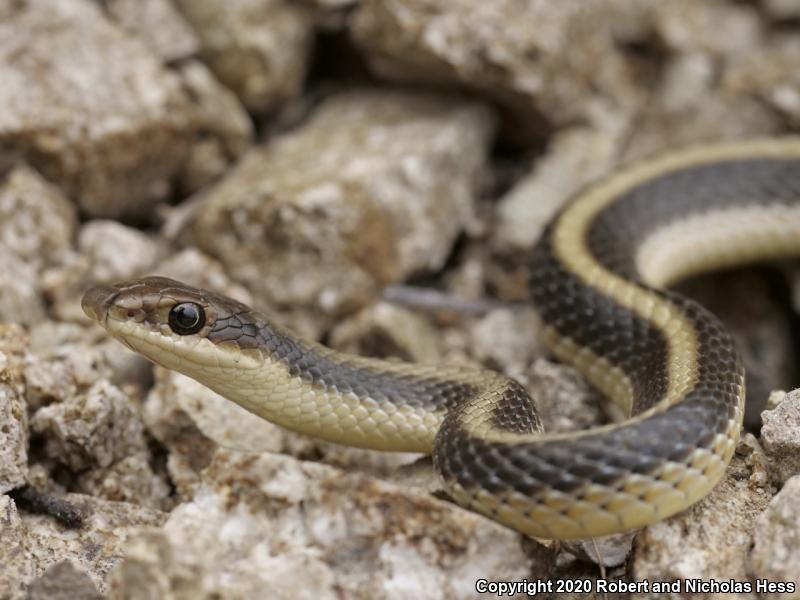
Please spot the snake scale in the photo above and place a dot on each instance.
(597, 280)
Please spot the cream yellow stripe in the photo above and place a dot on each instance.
(718, 239)
(569, 244)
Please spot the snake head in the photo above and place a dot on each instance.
(176, 325)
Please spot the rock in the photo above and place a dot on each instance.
(694, 78)
(57, 374)
(716, 28)
(557, 62)
(130, 479)
(782, 9)
(776, 549)
(63, 581)
(710, 540)
(766, 75)
(180, 412)
(190, 449)
(37, 223)
(98, 436)
(780, 436)
(30, 544)
(553, 65)
(507, 341)
(92, 429)
(704, 114)
(223, 126)
(107, 252)
(90, 108)
(65, 357)
(13, 409)
(257, 48)
(388, 331)
(268, 521)
(115, 252)
(19, 566)
(20, 300)
(192, 266)
(157, 23)
(574, 158)
(331, 15)
(775, 398)
(375, 186)
(564, 399)
(609, 550)
(48, 335)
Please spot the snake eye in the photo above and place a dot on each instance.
(187, 318)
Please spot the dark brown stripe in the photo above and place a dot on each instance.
(617, 231)
(250, 330)
(595, 321)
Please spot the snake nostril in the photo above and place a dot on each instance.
(96, 300)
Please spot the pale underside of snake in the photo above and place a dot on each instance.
(597, 279)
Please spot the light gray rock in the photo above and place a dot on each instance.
(57, 374)
(782, 9)
(712, 538)
(92, 429)
(157, 24)
(331, 15)
(574, 158)
(564, 399)
(19, 566)
(107, 252)
(20, 299)
(63, 581)
(98, 436)
(13, 408)
(767, 74)
(549, 61)
(90, 108)
(223, 126)
(609, 550)
(780, 436)
(257, 48)
(507, 341)
(37, 225)
(192, 266)
(65, 357)
(695, 78)
(776, 550)
(269, 522)
(375, 186)
(31, 544)
(388, 331)
(115, 252)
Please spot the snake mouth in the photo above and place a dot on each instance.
(97, 300)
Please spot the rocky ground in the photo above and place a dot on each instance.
(372, 174)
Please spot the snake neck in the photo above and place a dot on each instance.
(358, 401)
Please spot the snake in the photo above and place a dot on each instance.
(599, 279)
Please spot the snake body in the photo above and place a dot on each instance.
(596, 279)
